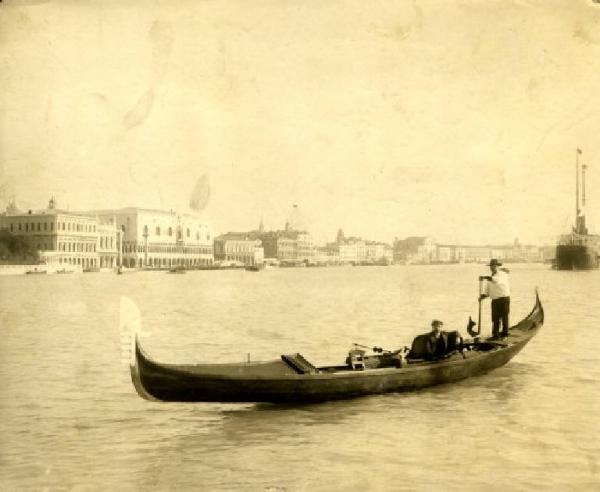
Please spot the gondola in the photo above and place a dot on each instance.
(293, 379)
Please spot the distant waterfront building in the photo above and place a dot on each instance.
(306, 248)
(477, 254)
(349, 251)
(480, 254)
(326, 255)
(548, 253)
(239, 246)
(355, 250)
(415, 249)
(133, 237)
(377, 252)
(108, 242)
(388, 253)
(374, 251)
(61, 237)
(331, 251)
(288, 245)
(446, 253)
(161, 239)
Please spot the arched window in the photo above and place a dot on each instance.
(197, 236)
(158, 230)
(145, 230)
(170, 231)
(188, 232)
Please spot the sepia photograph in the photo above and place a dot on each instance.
(299, 245)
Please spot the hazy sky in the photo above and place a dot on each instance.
(457, 119)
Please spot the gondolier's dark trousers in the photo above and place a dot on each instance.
(500, 310)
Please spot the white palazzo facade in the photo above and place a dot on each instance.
(62, 238)
(161, 239)
(105, 239)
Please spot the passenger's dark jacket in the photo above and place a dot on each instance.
(430, 347)
(437, 346)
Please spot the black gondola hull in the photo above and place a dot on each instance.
(275, 381)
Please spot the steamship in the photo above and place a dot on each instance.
(578, 250)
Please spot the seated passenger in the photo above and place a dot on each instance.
(437, 341)
(435, 344)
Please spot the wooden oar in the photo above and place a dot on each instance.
(479, 315)
(374, 349)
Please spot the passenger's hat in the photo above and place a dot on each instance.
(437, 322)
(494, 262)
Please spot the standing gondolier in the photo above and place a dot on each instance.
(497, 288)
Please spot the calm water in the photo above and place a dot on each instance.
(71, 420)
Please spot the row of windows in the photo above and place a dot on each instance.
(82, 247)
(68, 226)
(158, 262)
(243, 259)
(107, 242)
(79, 261)
(72, 247)
(31, 226)
(49, 226)
(157, 232)
(240, 248)
(131, 248)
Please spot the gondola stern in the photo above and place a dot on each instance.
(130, 324)
(134, 368)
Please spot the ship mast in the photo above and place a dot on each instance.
(577, 186)
(583, 168)
(580, 227)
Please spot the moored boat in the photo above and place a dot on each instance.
(293, 379)
(578, 250)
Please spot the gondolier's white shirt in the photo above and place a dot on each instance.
(499, 286)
